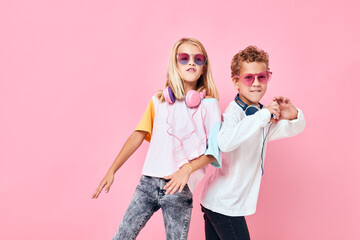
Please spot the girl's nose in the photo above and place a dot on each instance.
(191, 61)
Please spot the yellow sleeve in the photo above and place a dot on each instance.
(147, 121)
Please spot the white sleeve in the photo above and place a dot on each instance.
(212, 127)
(287, 128)
(237, 129)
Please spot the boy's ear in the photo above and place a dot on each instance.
(235, 81)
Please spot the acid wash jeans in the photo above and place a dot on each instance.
(150, 197)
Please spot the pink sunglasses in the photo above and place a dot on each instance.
(184, 58)
(249, 78)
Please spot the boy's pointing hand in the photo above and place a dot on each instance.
(287, 110)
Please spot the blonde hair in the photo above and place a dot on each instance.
(174, 81)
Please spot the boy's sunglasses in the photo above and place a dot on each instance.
(184, 58)
(249, 78)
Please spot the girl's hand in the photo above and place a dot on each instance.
(178, 180)
(287, 109)
(107, 181)
(275, 110)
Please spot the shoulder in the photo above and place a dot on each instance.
(211, 108)
(210, 100)
(234, 106)
(156, 98)
(233, 109)
(154, 102)
(210, 103)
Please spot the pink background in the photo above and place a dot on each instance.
(76, 76)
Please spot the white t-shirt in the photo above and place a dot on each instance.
(233, 190)
(179, 134)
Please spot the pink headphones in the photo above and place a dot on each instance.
(192, 98)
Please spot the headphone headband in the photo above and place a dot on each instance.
(192, 98)
(248, 109)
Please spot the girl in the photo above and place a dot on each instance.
(181, 123)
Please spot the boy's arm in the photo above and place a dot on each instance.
(234, 130)
(130, 146)
(287, 128)
(291, 122)
(180, 178)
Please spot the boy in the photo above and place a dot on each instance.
(231, 192)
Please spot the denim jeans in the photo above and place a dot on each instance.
(150, 197)
(222, 227)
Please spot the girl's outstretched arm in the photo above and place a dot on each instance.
(181, 176)
(130, 146)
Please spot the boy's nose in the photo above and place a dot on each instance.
(256, 81)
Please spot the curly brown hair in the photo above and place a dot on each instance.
(249, 54)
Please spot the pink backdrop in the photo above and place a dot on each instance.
(76, 76)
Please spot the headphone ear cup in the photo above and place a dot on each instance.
(250, 110)
(192, 99)
(168, 95)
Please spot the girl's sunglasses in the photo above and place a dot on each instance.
(184, 58)
(249, 78)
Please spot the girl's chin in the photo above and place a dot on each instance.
(190, 81)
